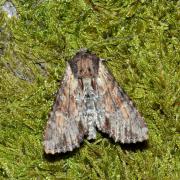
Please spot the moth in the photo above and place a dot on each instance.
(90, 99)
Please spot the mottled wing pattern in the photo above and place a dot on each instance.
(65, 130)
(117, 115)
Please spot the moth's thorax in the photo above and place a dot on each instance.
(85, 68)
(85, 65)
(87, 83)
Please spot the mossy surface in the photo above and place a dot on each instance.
(139, 39)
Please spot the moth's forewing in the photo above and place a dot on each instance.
(64, 130)
(117, 115)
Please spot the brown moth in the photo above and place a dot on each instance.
(90, 98)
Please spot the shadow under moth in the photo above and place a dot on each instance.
(89, 98)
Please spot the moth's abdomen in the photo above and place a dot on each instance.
(90, 112)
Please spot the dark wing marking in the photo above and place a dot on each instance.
(65, 128)
(117, 115)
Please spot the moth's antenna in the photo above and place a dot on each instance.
(83, 49)
(103, 60)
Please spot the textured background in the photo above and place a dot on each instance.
(140, 40)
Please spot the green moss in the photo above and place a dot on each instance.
(140, 40)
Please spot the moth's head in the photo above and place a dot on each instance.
(85, 65)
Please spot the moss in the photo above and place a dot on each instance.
(140, 40)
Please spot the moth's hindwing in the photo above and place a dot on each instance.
(64, 130)
(117, 115)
